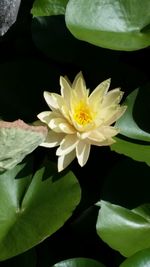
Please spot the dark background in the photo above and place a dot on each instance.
(33, 54)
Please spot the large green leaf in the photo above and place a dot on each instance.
(17, 139)
(51, 36)
(119, 25)
(79, 262)
(48, 7)
(137, 152)
(127, 123)
(135, 124)
(32, 209)
(127, 231)
(140, 259)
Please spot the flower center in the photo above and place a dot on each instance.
(82, 114)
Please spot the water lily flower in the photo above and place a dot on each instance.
(78, 119)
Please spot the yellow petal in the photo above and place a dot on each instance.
(84, 128)
(68, 144)
(65, 160)
(82, 152)
(52, 139)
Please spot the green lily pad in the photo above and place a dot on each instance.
(48, 7)
(127, 231)
(134, 125)
(130, 123)
(118, 25)
(33, 207)
(79, 262)
(137, 152)
(140, 259)
(17, 139)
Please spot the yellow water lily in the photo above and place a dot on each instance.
(78, 119)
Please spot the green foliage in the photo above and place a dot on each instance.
(140, 259)
(128, 123)
(124, 230)
(48, 7)
(134, 124)
(135, 151)
(17, 140)
(79, 262)
(119, 25)
(33, 208)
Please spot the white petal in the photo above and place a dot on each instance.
(79, 75)
(108, 131)
(113, 97)
(106, 142)
(82, 152)
(66, 113)
(44, 116)
(60, 125)
(65, 160)
(54, 124)
(102, 134)
(80, 87)
(114, 114)
(83, 128)
(67, 145)
(66, 128)
(83, 135)
(96, 135)
(54, 101)
(53, 139)
(68, 81)
(65, 90)
(99, 92)
(108, 112)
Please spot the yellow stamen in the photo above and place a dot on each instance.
(82, 114)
